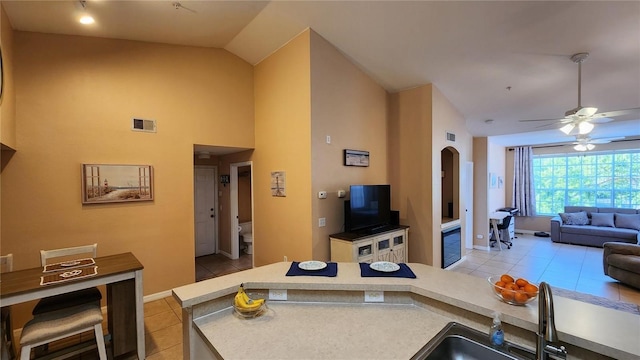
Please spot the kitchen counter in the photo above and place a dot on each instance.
(434, 298)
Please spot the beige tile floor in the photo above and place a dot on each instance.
(571, 267)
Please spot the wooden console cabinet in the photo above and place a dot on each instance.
(390, 246)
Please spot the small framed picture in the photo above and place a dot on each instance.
(356, 158)
(278, 184)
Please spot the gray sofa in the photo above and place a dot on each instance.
(622, 262)
(609, 224)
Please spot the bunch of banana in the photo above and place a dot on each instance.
(243, 303)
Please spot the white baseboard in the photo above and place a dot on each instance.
(157, 296)
(480, 247)
(530, 232)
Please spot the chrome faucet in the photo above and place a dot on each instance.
(547, 333)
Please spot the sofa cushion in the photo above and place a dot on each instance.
(602, 219)
(626, 262)
(604, 232)
(628, 221)
(577, 218)
(617, 210)
(589, 209)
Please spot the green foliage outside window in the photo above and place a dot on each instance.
(609, 179)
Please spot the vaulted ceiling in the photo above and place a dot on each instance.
(494, 60)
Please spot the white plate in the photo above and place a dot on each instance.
(312, 265)
(385, 266)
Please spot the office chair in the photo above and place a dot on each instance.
(502, 226)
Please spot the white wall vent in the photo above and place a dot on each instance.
(451, 136)
(143, 125)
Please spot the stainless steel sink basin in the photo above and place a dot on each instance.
(457, 341)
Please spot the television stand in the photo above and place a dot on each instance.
(388, 243)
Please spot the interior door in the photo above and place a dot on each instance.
(205, 210)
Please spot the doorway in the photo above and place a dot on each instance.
(241, 208)
(205, 205)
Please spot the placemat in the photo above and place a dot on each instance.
(404, 272)
(331, 270)
(66, 265)
(70, 275)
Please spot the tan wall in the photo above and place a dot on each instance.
(446, 118)
(481, 191)
(244, 194)
(224, 217)
(351, 108)
(77, 97)
(496, 162)
(282, 225)
(541, 222)
(8, 101)
(410, 167)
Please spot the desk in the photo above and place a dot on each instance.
(495, 218)
(122, 274)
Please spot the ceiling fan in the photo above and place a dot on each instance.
(584, 142)
(582, 118)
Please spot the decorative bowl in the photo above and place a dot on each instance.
(511, 293)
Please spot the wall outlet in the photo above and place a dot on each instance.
(285, 258)
(322, 194)
(275, 294)
(328, 139)
(479, 236)
(322, 222)
(342, 193)
(374, 296)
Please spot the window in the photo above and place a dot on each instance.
(605, 179)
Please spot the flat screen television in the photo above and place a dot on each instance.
(368, 208)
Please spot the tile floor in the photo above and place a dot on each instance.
(215, 265)
(572, 267)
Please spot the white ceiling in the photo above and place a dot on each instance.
(471, 50)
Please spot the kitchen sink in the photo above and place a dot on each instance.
(457, 341)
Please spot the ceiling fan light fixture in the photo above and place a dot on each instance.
(580, 147)
(590, 146)
(585, 127)
(567, 128)
(85, 19)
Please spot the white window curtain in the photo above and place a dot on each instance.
(523, 194)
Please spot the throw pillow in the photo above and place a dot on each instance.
(628, 221)
(602, 219)
(578, 218)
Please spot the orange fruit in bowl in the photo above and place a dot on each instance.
(512, 286)
(520, 297)
(506, 278)
(499, 286)
(531, 290)
(507, 294)
(521, 282)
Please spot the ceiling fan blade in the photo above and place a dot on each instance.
(614, 113)
(601, 120)
(541, 120)
(605, 140)
(587, 112)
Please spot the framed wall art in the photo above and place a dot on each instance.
(105, 183)
(278, 184)
(356, 158)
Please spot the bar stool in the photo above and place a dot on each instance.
(56, 325)
(61, 316)
(79, 297)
